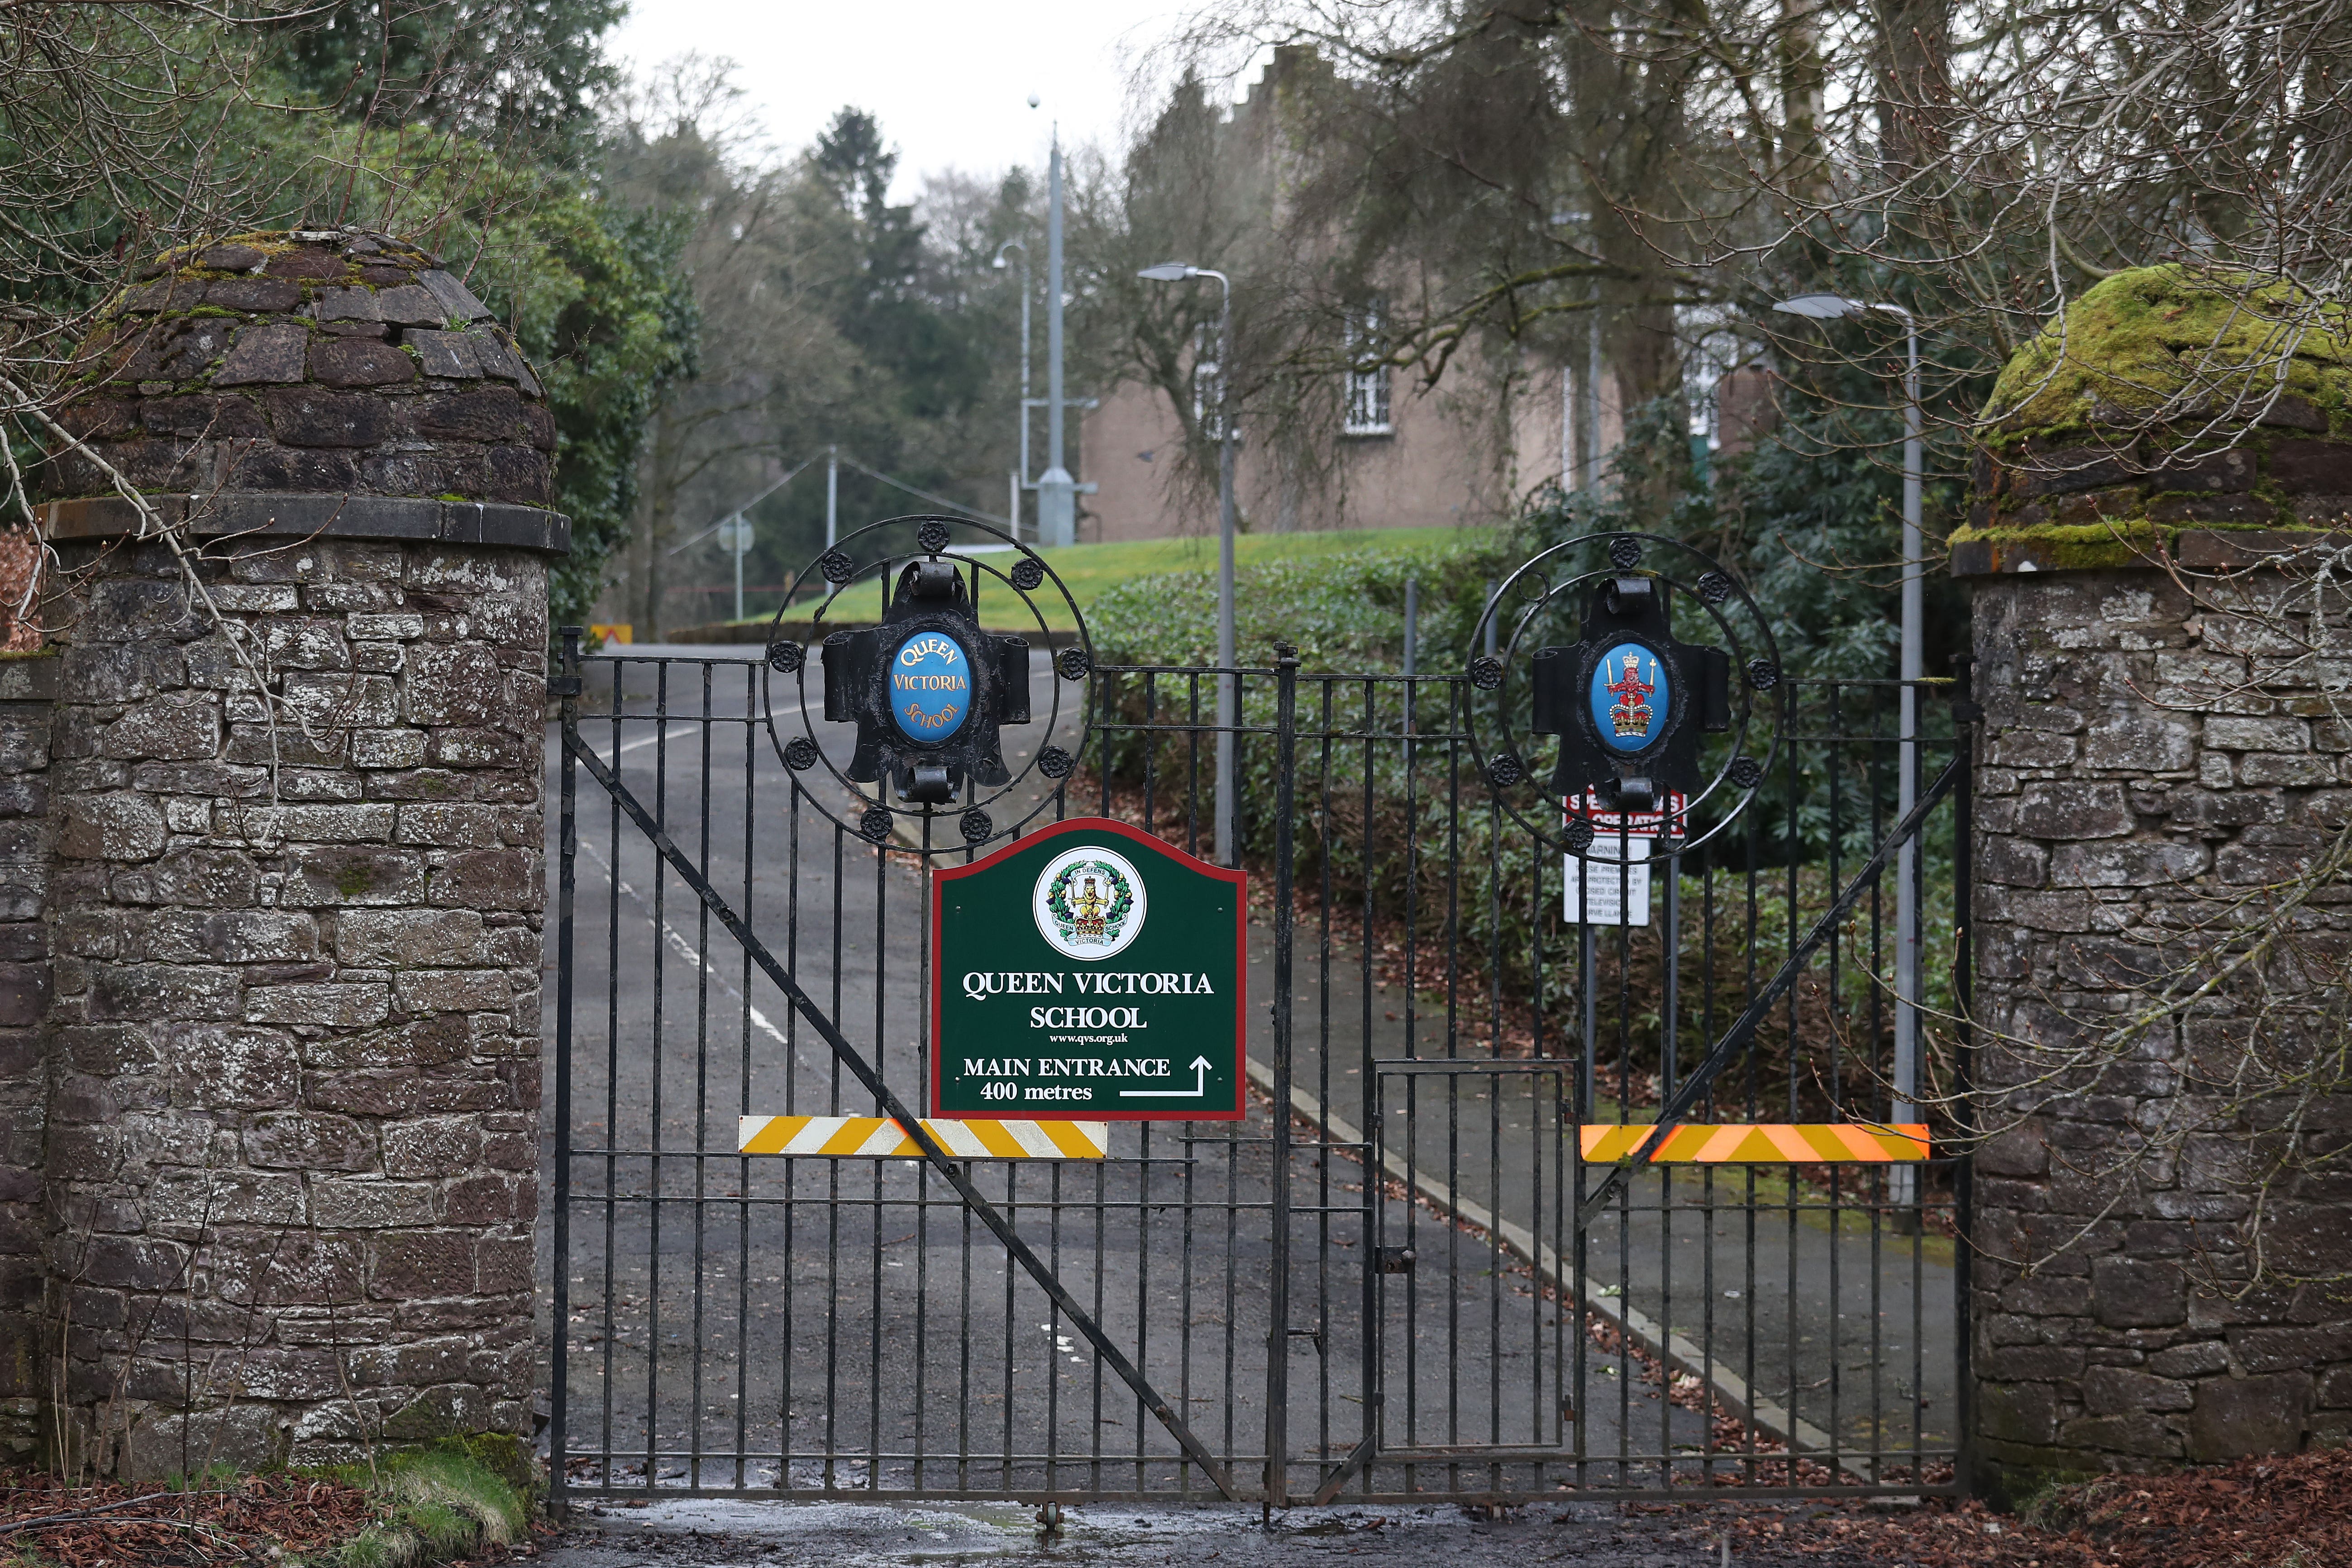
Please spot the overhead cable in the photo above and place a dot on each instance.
(739, 510)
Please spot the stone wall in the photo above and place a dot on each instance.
(294, 1065)
(27, 686)
(2129, 775)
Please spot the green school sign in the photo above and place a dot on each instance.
(1088, 972)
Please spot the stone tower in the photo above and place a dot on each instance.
(289, 867)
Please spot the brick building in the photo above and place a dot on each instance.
(1400, 454)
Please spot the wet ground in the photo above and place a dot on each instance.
(849, 1535)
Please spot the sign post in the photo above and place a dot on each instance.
(1090, 971)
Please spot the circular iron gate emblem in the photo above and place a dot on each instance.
(930, 686)
(1090, 902)
(940, 688)
(1571, 682)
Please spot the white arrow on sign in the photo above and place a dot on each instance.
(1201, 1086)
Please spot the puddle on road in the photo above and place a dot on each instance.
(848, 1534)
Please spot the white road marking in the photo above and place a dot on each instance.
(676, 732)
(676, 941)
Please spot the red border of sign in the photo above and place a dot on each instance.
(1644, 822)
(1101, 824)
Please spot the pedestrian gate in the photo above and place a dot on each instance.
(1401, 1277)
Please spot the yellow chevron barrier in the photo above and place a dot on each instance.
(1759, 1143)
(878, 1137)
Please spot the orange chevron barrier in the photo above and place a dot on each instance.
(1759, 1143)
(878, 1137)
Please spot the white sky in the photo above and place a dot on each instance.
(949, 80)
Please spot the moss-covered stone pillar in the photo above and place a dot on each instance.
(2148, 762)
(292, 1057)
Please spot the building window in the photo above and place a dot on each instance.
(1367, 387)
(1208, 383)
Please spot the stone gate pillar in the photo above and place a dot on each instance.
(292, 1054)
(2142, 759)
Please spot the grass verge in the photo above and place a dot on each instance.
(456, 1497)
(1092, 569)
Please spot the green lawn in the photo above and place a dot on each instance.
(1090, 569)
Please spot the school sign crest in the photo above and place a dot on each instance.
(1090, 903)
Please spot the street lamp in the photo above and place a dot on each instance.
(1057, 494)
(1178, 272)
(1014, 511)
(1828, 307)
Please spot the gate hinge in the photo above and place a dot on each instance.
(564, 686)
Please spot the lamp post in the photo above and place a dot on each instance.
(1825, 308)
(1014, 511)
(1057, 495)
(1177, 272)
(832, 496)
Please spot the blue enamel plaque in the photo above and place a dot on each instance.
(1630, 698)
(931, 686)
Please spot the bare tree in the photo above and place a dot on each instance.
(1439, 186)
(119, 127)
(1988, 165)
(770, 353)
(1982, 164)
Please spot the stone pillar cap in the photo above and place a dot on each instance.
(2170, 405)
(343, 374)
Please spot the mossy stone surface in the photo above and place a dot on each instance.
(2164, 402)
(280, 362)
(2167, 341)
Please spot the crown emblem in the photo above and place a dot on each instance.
(1088, 902)
(1630, 715)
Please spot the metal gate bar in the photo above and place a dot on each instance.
(1840, 1203)
(1700, 1084)
(937, 1157)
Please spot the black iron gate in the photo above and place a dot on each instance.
(1412, 1285)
